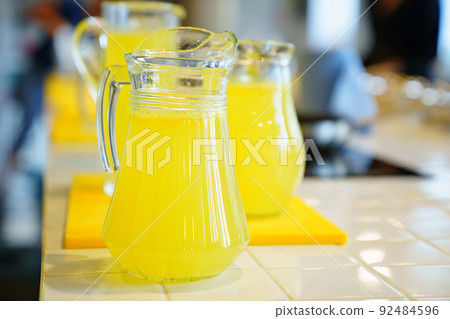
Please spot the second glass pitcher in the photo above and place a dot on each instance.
(100, 42)
(269, 144)
(175, 215)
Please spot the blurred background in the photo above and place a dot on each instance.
(351, 70)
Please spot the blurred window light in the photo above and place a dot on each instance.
(327, 20)
(413, 89)
(375, 85)
(430, 97)
(444, 33)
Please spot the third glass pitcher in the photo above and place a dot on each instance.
(102, 42)
(269, 144)
(176, 213)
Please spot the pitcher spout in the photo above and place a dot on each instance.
(183, 60)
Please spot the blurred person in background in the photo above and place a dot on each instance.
(56, 19)
(406, 35)
(35, 38)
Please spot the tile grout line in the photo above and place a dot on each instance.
(441, 205)
(86, 274)
(417, 236)
(429, 242)
(307, 267)
(430, 298)
(379, 276)
(42, 278)
(404, 228)
(402, 295)
(163, 286)
(270, 275)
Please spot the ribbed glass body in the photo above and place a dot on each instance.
(176, 212)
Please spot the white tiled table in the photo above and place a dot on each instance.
(398, 247)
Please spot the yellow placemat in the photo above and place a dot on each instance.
(65, 93)
(71, 129)
(87, 209)
(88, 206)
(300, 224)
(71, 107)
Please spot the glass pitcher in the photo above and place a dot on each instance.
(269, 144)
(176, 213)
(101, 42)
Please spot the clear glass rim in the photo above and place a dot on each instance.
(256, 51)
(148, 6)
(228, 51)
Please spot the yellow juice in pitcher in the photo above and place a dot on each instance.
(120, 43)
(268, 184)
(187, 230)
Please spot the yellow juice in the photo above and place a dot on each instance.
(265, 185)
(120, 43)
(184, 221)
(64, 92)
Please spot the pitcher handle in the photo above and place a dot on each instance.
(88, 26)
(108, 80)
